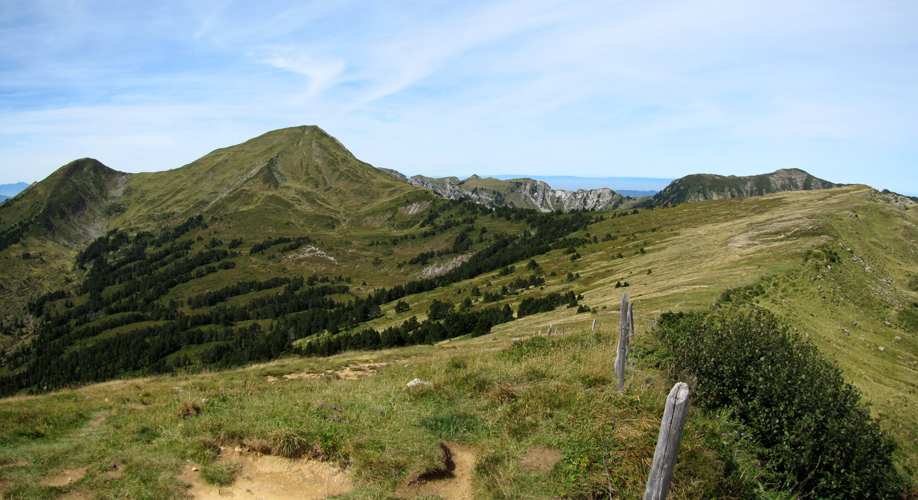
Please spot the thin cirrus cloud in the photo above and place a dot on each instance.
(321, 74)
(596, 89)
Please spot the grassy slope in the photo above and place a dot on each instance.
(701, 249)
(697, 251)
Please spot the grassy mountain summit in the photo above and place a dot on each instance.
(700, 187)
(72, 205)
(300, 169)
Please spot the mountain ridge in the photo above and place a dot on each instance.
(522, 193)
(702, 187)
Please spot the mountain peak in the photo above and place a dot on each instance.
(72, 203)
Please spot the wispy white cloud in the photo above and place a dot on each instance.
(321, 73)
(548, 87)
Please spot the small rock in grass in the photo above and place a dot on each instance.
(416, 382)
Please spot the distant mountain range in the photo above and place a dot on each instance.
(10, 190)
(7, 191)
(549, 193)
(532, 193)
(304, 177)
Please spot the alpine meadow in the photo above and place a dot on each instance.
(279, 319)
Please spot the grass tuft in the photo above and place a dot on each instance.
(288, 443)
(221, 473)
(188, 408)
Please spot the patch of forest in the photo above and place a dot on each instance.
(129, 276)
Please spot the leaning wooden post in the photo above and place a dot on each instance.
(621, 357)
(594, 326)
(664, 458)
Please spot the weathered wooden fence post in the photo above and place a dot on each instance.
(664, 457)
(621, 357)
(594, 326)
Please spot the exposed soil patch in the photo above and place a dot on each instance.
(64, 478)
(77, 495)
(17, 463)
(352, 372)
(100, 418)
(451, 482)
(540, 459)
(265, 476)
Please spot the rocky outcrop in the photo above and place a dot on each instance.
(394, 173)
(521, 193)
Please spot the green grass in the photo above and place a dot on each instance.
(552, 393)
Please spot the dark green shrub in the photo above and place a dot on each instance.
(810, 424)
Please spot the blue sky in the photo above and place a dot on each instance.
(590, 89)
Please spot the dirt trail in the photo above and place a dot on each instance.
(269, 477)
(454, 485)
(88, 432)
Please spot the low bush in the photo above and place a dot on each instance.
(815, 435)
